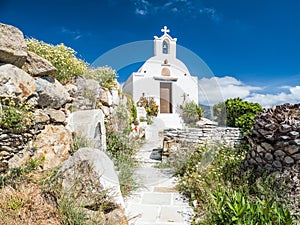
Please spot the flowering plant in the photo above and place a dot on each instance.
(149, 104)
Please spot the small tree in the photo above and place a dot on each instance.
(191, 112)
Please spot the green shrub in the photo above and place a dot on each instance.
(223, 193)
(62, 57)
(16, 116)
(106, 76)
(233, 207)
(238, 113)
(191, 112)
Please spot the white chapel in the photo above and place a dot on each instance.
(163, 77)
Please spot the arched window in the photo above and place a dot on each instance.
(166, 61)
(165, 72)
(165, 47)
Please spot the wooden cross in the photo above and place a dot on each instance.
(165, 30)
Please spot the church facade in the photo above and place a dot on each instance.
(163, 77)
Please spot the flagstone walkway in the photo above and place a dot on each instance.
(156, 202)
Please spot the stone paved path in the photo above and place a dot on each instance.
(157, 202)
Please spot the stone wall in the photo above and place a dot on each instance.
(206, 133)
(275, 139)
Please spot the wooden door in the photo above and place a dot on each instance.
(165, 98)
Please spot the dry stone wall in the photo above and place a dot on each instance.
(275, 139)
(173, 138)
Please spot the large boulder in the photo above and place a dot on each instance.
(106, 97)
(54, 144)
(13, 48)
(38, 66)
(14, 82)
(90, 178)
(89, 124)
(51, 93)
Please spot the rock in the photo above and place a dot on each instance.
(259, 149)
(105, 97)
(204, 121)
(105, 110)
(14, 82)
(13, 48)
(90, 124)
(41, 116)
(277, 164)
(90, 171)
(88, 88)
(284, 128)
(289, 160)
(19, 159)
(51, 94)
(38, 66)
(268, 147)
(294, 134)
(291, 149)
(279, 153)
(269, 156)
(56, 116)
(115, 96)
(71, 89)
(296, 156)
(54, 143)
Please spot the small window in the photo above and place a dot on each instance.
(166, 61)
(165, 47)
(145, 71)
(165, 72)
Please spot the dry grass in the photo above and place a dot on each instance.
(26, 205)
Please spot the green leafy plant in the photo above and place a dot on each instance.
(62, 57)
(191, 112)
(16, 116)
(238, 113)
(106, 76)
(224, 193)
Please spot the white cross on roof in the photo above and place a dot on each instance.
(165, 30)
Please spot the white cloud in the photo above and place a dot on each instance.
(178, 7)
(218, 89)
(75, 34)
(269, 100)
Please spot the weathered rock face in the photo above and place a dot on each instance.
(56, 116)
(85, 93)
(274, 141)
(38, 66)
(14, 82)
(89, 174)
(51, 93)
(106, 97)
(90, 124)
(13, 48)
(54, 144)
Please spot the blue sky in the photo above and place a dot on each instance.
(252, 47)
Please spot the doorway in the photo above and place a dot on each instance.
(165, 98)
